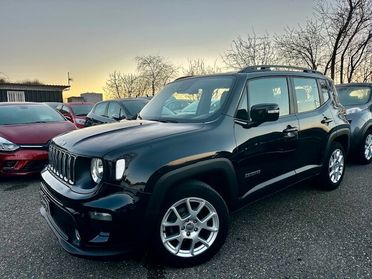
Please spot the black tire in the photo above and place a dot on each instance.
(361, 155)
(194, 192)
(326, 181)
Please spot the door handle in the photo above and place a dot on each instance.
(326, 120)
(290, 132)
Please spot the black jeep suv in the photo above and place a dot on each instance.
(170, 178)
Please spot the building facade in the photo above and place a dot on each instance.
(75, 99)
(20, 92)
(92, 97)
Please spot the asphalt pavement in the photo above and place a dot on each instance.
(301, 232)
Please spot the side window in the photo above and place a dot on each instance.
(100, 109)
(65, 110)
(269, 90)
(114, 108)
(307, 94)
(324, 90)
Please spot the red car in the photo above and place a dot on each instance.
(25, 132)
(75, 112)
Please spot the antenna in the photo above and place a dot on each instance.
(69, 79)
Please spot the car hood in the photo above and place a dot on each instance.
(102, 139)
(37, 133)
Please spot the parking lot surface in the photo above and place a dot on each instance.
(301, 232)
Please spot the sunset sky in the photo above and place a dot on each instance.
(44, 39)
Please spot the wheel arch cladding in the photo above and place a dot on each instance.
(214, 172)
(341, 136)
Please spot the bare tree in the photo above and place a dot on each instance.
(129, 84)
(345, 21)
(142, 87)
(362, 73)
(114, 87)
(198, 67)
(156, 71)
(358, 54)
(303, 45)
(120, 85)
(253, 50)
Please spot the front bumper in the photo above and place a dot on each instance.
(79, 234)
(22, 162)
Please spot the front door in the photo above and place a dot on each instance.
(265, 154)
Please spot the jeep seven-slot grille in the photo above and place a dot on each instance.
(62, 164)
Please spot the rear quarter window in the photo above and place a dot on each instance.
(307, 94)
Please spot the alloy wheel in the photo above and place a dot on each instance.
(368, 147)
(189, 227)
(336, 166)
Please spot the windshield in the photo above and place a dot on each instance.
(81, 110)
(189, 100)
(26, 114)
(134, 106)
(353, 96)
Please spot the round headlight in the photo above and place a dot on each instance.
(96, 170)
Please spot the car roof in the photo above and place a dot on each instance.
(78, 103)
(123, 99)
(21, 104)
(354, 84)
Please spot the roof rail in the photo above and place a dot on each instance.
(258, 68)
(183, 77)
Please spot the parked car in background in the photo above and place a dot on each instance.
(115, 110)
(25, 132)
(53, 105)
(357, 99)
(76, 112)
(168, 181)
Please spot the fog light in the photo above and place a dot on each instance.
(9, 165)
(101, 216)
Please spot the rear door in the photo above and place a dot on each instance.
(266, 153)
(316, 121)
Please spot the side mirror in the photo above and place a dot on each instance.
(264, 113)
(68, 117)
(117, 117)
(242, 114)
